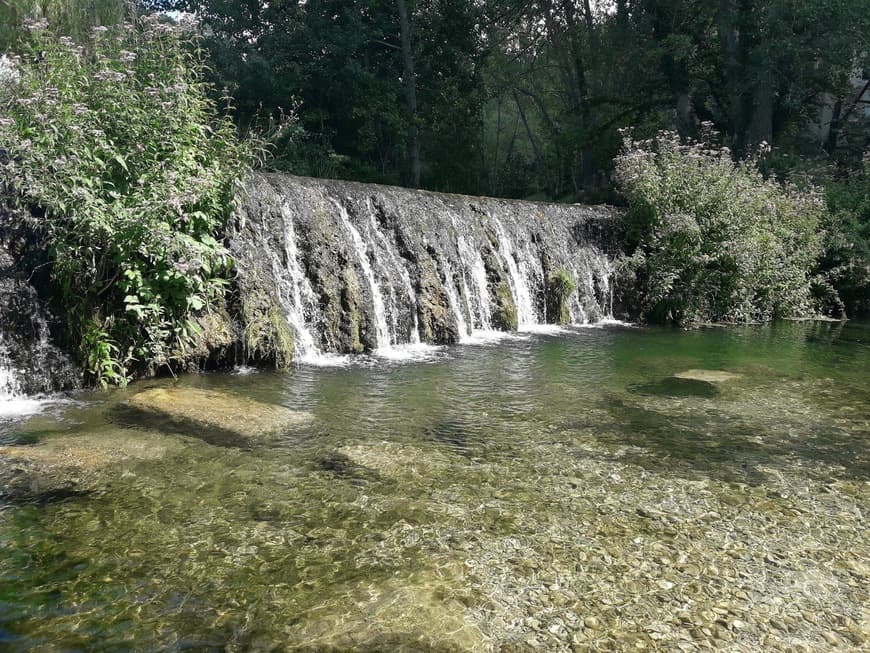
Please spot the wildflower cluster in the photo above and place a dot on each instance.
(713, 240)
(116, 141)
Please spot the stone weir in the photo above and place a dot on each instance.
(359, 267)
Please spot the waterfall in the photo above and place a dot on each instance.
(360, 267)
(456, 302)
(517, 278)
(30, 364)
(297, 295)
(28, 378)
(10, 386)
(383, 336)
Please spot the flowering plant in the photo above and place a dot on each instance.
(117, 144)
(713, 240)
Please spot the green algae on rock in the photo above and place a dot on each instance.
(560, 287)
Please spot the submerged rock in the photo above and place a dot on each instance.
(393, 459)
(400, 618)
(707, 376)
(64, 466)
(217, 417)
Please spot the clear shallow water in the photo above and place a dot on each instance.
(538, 493)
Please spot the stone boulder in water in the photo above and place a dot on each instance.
(707, 376)
(62, 466)
(394, 459)
(216, 417)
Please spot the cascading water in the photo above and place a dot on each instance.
(297, 295)
(474, 269)
(517, 278)
(30, 364)
(404, 277)
(372, 268)
(10, 386)
(383, 337)
(456, 302)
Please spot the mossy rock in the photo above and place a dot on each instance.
(352, 317)
(560, 287)
(268, 335)
(437, 323)
(216, 417)
(504, 317)
(213, 340)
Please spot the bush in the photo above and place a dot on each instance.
(846, 261)
(711, 239)
(116, 142)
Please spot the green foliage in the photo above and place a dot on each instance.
(72, 17)
(116, 141)
(846, 261)
(560, 287)
(713, 240)
(340, 62)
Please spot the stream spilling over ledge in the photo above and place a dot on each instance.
(581, 487)
(363, 268)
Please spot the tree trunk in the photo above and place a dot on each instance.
(832, 137)
(594, 47)
(729, 43)
(410, 83)
(685, 123)
(760, 128)
(539, 158)
(622, 15)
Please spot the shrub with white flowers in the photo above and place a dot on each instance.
(116, 142)
(711, 239)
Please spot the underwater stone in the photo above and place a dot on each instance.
(393, 459)
(707, 376)
(64, 466)
(218, 417)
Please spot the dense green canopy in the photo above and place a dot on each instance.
(524, 97)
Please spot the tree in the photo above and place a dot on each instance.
(409, 81)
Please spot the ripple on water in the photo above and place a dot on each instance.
(545, 493)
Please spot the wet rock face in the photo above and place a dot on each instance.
(30, 363)
(356, 267)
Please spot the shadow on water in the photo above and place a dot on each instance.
(129, 417)
(727, 447)
(454, 433)
(342, 467)
(392, 642)
(674, 387)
